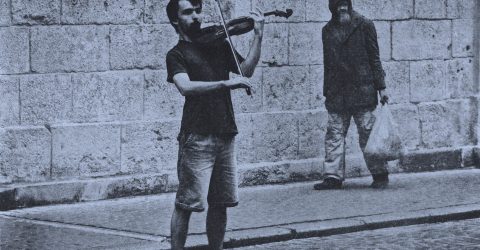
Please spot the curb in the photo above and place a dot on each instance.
(249, 237)
(30, 195)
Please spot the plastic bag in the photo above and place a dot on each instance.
(384, 142)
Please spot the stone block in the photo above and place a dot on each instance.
(427, 81)
(312, 129)
(267, 138)
(431, 9)
(385, 9)
(460, 82)
(111, 96)
(102, 11)
(461, 8)
(408, 121)
(5, 17)
(421, 39)
(289, 88)
(274, 45)
(306, 45)
(141, 46)
(297, 6)
(162, 99)
(432, 160)
(36, 12)
(242, 103)
(155, 10)
(447, 124)
(10, 104)
(25, 154)
(69, 48)
(45, 98)
(85, 150)
(14, 42)
(462, 44)
(397, 80)
(149, 147)
(384, 39)
(317, 11)
(352, 141)
(315, 79)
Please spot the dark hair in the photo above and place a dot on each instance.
(172, 10)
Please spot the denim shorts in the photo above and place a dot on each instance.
(206, 172)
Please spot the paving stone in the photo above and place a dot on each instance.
(36, 12)
(14, 42)
(397, 80)
(69, 48)
(5, 17)
(45, 98)
(306, 45)
(25, 154)
(111, 96)
(162, 99)
(384, 9)
(102, 11)
(431, 160)
(85, 150)
(421, 39)
(149, 147)
(463, 33)
(427, 81)
(141, 46)
(460, 82)
(10, 104)
(461, 8)
(431, 9)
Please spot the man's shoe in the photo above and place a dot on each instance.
(328, 183)
(380, 181)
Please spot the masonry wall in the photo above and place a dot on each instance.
(83, 93)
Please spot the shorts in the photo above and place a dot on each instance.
(206, 172)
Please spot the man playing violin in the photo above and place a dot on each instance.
(206, 159)
(353, 78)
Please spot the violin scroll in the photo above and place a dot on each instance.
(287, 13)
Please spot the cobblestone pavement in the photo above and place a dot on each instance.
(450, 235)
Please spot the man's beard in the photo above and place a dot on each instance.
(193, 30)
(344, 18)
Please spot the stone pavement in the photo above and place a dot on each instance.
(453, 235)
(265, 214)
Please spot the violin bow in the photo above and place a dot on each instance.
(237, 62)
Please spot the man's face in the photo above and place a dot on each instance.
(343, 13)
(189, 17)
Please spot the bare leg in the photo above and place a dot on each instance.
(179, 228)
(216, 226)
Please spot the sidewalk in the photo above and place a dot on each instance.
(265, 214)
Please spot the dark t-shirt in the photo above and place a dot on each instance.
(210, 113)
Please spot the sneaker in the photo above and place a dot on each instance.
(380, 181)
(328, 183)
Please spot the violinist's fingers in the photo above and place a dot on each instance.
(259, 10)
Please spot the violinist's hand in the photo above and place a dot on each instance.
(238, 82)
(259, 19)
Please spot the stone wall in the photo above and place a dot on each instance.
(84, 97)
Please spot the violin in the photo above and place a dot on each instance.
(235, 27)
(242, 25)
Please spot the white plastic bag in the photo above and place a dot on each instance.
(384, 142)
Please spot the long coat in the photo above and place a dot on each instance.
(353, 72)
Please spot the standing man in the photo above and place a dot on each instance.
(353, 78)
(206, 159)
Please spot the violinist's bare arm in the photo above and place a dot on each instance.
(251, 61)
(187, 87)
